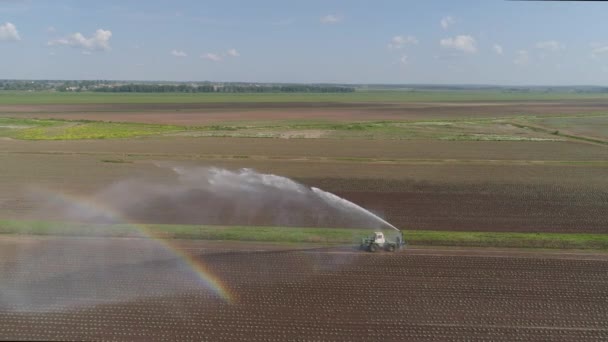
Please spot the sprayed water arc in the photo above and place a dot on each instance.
(194, 195)
(247, 180)
(339, 201)
(195, 190)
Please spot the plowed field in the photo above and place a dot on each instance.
(134, 289)
(206, 113)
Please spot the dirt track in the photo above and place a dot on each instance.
(315, 149)
(93, 289)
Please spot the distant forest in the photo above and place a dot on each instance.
(110, 86)
(184, 88)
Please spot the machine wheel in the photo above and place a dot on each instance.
(391, 248)
(373, 248)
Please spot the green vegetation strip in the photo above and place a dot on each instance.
(307, 235)
(43, 98)
(56, 129)
(51, 129)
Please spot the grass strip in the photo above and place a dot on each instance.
(306, 235)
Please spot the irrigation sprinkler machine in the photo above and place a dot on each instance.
(378, 241)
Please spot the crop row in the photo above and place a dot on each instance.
(309, 295)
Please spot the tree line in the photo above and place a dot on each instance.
(185, 88)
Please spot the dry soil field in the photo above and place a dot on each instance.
(436, 185)
(117, 289)
(206, 113)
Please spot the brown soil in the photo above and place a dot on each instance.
(519, 209)
(318, 148)
(502, 189)
(207, 113)
(112, 289)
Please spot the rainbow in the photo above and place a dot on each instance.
(196, 264)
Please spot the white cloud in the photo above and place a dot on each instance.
(447, 22)
(522, 58)
(404, 60)
(463, 43)
(218, 57)
(51, 29)
(598, 49)
(8, 32)
(398, 42)
(602, 49)
(233, 53)
(596, 44)
(330, 19)
(550, 45)
(178, 53)
(98, 41)
(211, 57)
(498, 49)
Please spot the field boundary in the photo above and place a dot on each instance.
(557, 132)
(359, 96)
(109, 157)
(305, 235)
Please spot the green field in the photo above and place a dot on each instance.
(306, 235)
(476, 130)
(36, 129)
(463, 129)
(42, 98)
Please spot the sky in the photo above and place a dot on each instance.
(349, 41)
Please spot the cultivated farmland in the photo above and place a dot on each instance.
(283, 293)
(453, 169)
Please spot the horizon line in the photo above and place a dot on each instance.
(318, 83)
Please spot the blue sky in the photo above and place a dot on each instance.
(443, 42)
